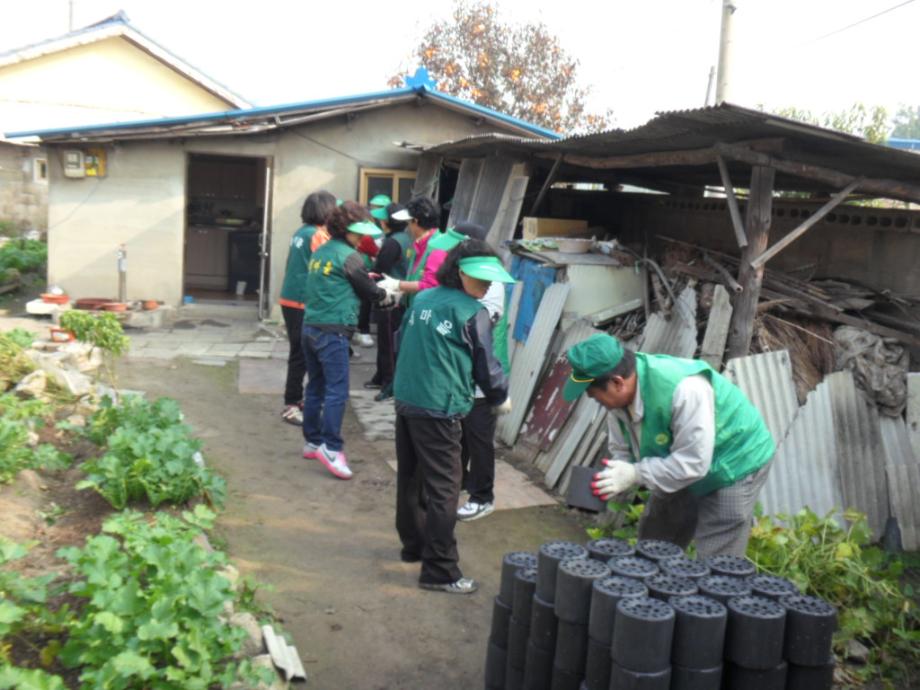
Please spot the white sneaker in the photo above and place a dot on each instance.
(334, 461)
(471, 510)
(363, 339)
(292, 414)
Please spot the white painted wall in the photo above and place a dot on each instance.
(142, 200)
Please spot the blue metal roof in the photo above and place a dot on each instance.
(904, 144)
(420, 84)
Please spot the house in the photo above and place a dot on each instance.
(205, 205)
(106, 72)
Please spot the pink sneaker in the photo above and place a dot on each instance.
(334, 461)
(310, 451)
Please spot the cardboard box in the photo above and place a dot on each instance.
(552, 227)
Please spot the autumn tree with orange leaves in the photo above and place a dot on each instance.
(518, 69)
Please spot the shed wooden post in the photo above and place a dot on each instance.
(759, 218)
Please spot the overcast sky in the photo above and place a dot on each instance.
(639, 56)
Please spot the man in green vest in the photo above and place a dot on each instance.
(684, 431)
(445, 352)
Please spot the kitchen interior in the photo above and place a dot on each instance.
(226, 197)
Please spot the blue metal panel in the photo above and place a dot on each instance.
(535, 278)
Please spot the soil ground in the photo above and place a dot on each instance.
(329, 548)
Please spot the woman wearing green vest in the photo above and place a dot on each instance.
(390, 260)
(315, 212)
(336, 282)
(445, 350)
(422, 216)
(683, 430)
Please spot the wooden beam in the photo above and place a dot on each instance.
(804, 227)
(732, 202)
(759, 217)
(892, 189)
(713, 347)
(550, 178)
(727, 277)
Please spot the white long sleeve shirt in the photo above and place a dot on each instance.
(693, 432)
(494, 302)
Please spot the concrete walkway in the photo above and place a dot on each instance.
(213, 339)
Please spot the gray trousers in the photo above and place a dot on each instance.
(719, 523)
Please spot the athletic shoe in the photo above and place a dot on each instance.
(310, 451)
(372, 385)
(353, 354)
(292, 414)
(384, 394)
(334, 461)
(363, 339)
(471, 510)
(465, 585)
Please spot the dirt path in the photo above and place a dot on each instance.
(329, 548)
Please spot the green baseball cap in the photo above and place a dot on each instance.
(380, 200)
(592, 357)
(380, 213)
(365, 228)
(485, 268)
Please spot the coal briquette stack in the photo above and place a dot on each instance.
(607, 547)
(550, 555)
(642, 634)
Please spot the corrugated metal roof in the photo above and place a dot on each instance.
(804, 472)
(859, 452)
(676, 336)
(903, 472)
(529, 363)
(702, 128)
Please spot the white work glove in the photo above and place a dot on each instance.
(504, 408)
(391, 299)
(391, 285)
(616, 478)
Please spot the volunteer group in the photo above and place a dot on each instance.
(438, 299)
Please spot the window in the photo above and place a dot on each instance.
(396, 184)
(40, 170)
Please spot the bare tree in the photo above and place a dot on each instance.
(519, 69)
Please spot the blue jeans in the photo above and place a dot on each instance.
(326, 392)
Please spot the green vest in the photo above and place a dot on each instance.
(405, 246)
(295, 273)
(434, 369)
(743, 443)
(500, 341)
(417, 272)
(330, 299)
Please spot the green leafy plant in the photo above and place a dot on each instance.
(103, 331)
(14, 364)
(839, 564)
(24, 613)
(149, 455)
(152, 600)
(21, 337)
(17, 420)
(23, 255)
(624, 522)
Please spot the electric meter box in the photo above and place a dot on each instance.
(73, 161)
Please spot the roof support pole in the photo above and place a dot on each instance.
(550, 178)
(759, 218)
(803, 228)
(732, 202)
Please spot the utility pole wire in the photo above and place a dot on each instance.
(861, 21)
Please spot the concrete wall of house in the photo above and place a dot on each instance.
(141, 201)
(23, 194)
(107, 81)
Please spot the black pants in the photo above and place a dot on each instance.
(427, 492)
(364, 317)
(296, 368)
(478, 452)
(388, 321)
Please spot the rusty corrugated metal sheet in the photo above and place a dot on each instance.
(804, 472)
(859, 452)
(766, 380)
(676, 336)
(903, 471)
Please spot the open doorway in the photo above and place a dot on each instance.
(226, 237)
